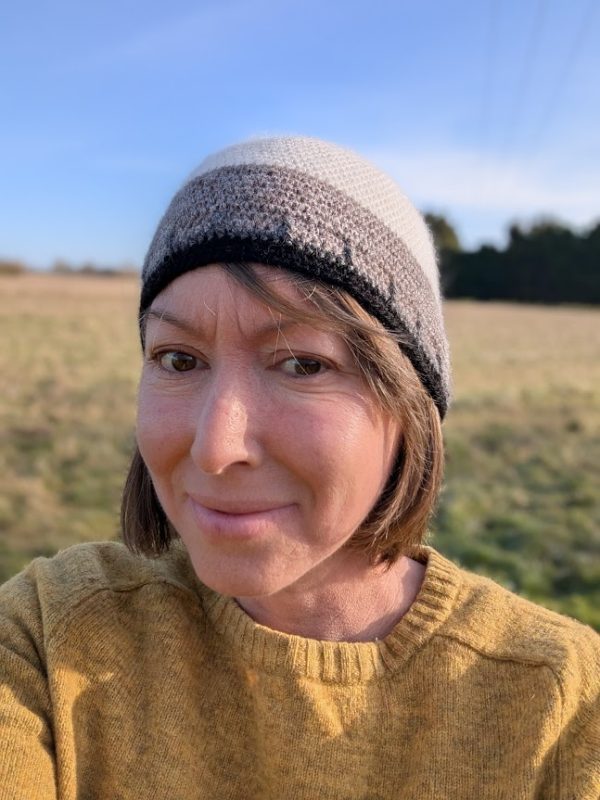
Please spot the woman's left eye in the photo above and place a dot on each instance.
(298, 366)
(174, 361)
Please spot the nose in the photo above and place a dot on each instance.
(226, 426)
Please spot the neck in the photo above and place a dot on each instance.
(363, 605)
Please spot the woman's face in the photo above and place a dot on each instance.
(265, 447)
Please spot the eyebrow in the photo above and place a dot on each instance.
(194, 329)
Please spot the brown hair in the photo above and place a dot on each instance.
(398, 522)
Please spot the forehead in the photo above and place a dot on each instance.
(210, 295)
(217, 279)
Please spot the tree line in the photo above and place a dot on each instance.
(16, 267)
(547, 262)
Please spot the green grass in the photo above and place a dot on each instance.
(521, 501)
(70, 365)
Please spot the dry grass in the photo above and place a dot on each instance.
(70, 364)
(507, 351)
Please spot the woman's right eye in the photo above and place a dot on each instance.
(174, 361)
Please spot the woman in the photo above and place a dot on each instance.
(273, 626)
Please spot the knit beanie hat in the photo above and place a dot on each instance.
(312, 207)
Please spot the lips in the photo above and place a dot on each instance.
(237, 507)
(238, 521)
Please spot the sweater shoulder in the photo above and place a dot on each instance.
(49, 589)
(502, 625)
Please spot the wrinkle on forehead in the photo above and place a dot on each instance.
(182, 304)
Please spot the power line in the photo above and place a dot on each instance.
(566, 71)
(524, 81)
(487, 90)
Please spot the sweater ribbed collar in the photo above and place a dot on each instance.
(271, 651)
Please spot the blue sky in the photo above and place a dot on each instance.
(484, 110)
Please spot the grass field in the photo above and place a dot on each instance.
(521, 501)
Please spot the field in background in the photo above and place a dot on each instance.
(522, 496)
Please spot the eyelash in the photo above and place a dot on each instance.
(303, 361)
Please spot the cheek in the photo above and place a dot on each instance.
(350, 453)
(370, 456)
(161, 429)
(358, 436)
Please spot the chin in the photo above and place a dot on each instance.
(232, 580)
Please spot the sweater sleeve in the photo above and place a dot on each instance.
(579, 746)
(27, 763)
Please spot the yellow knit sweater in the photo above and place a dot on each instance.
(123, 677)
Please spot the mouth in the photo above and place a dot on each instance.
(249, 513)
(238, 507)
(238, 520)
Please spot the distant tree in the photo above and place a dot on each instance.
(444, 236)
(544, 263)
(477, 275)
(446, 243)
(61, 267)
(127, 269)
(12, 267)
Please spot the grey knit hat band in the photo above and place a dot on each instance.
(287, 217)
